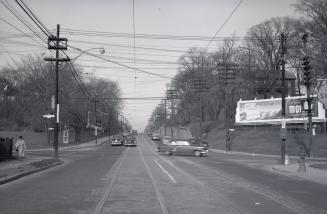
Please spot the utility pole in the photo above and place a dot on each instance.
(121, 123)
(171, 95)
(95, 100)
(226, 75)
(165, 115)
(199, 85)
(283, 129)
(57, 43)
(109, 122)
(308, 82)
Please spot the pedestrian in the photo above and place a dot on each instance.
(20, 146)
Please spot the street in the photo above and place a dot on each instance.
(110, 179)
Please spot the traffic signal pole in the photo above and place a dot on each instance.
(308, 83)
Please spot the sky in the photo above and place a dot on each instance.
(155, 17)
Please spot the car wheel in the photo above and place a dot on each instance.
(197, 153)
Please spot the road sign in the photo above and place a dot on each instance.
(48, 116)
(65, 136)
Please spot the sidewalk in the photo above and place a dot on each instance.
(316, 167)
(14, 169)
(99, 142)
(263, 155)
(312, 174)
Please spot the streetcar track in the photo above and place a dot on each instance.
(107, 195)
(154, 184)
(219, 195)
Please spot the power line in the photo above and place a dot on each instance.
(37, 19)
(21, 31)
(225, 22)
(123, 98)
(22, 20)
(152, 36)
(27, 10)
(120, 64)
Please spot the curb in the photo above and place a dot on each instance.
(28, 172)
(279, 170)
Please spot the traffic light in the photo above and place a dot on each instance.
(306, 67)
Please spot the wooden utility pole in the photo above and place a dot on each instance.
(57, 43)
(283, 128)
(95, 100)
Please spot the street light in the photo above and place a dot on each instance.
(102, 51)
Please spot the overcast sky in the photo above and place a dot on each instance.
(164, 17)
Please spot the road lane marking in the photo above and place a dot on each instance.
(173, 165)
(106, 195)
(158, 194)
(165, 171)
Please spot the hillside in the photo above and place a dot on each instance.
(265, 140)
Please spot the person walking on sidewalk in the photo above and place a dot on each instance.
(20, 146)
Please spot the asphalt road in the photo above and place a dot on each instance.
(139, 180)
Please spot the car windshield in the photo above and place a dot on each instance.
(180, 143)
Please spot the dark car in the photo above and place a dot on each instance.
(116, 140)
(155, 136)
(130, 140)
(183, 147)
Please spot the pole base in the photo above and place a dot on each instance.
(302, 167)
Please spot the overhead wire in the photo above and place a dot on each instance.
(34, 15)
(120, 64)
(73, 32)
(225, 22)
(22, 20)
(13, 26)
(32, 18)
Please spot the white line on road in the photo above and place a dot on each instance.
(159, 196)
(173, 165)
(165, 171)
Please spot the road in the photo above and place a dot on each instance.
(139, 180)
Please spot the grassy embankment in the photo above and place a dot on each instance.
(38, 140)
(263, 140)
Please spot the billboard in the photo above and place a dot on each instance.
(269, 111)
(322, 91)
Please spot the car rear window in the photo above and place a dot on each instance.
(180, 143)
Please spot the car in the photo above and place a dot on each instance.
(183, 147)
(166, 139)
(155, 136)
(116, 141)
(130, 140)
